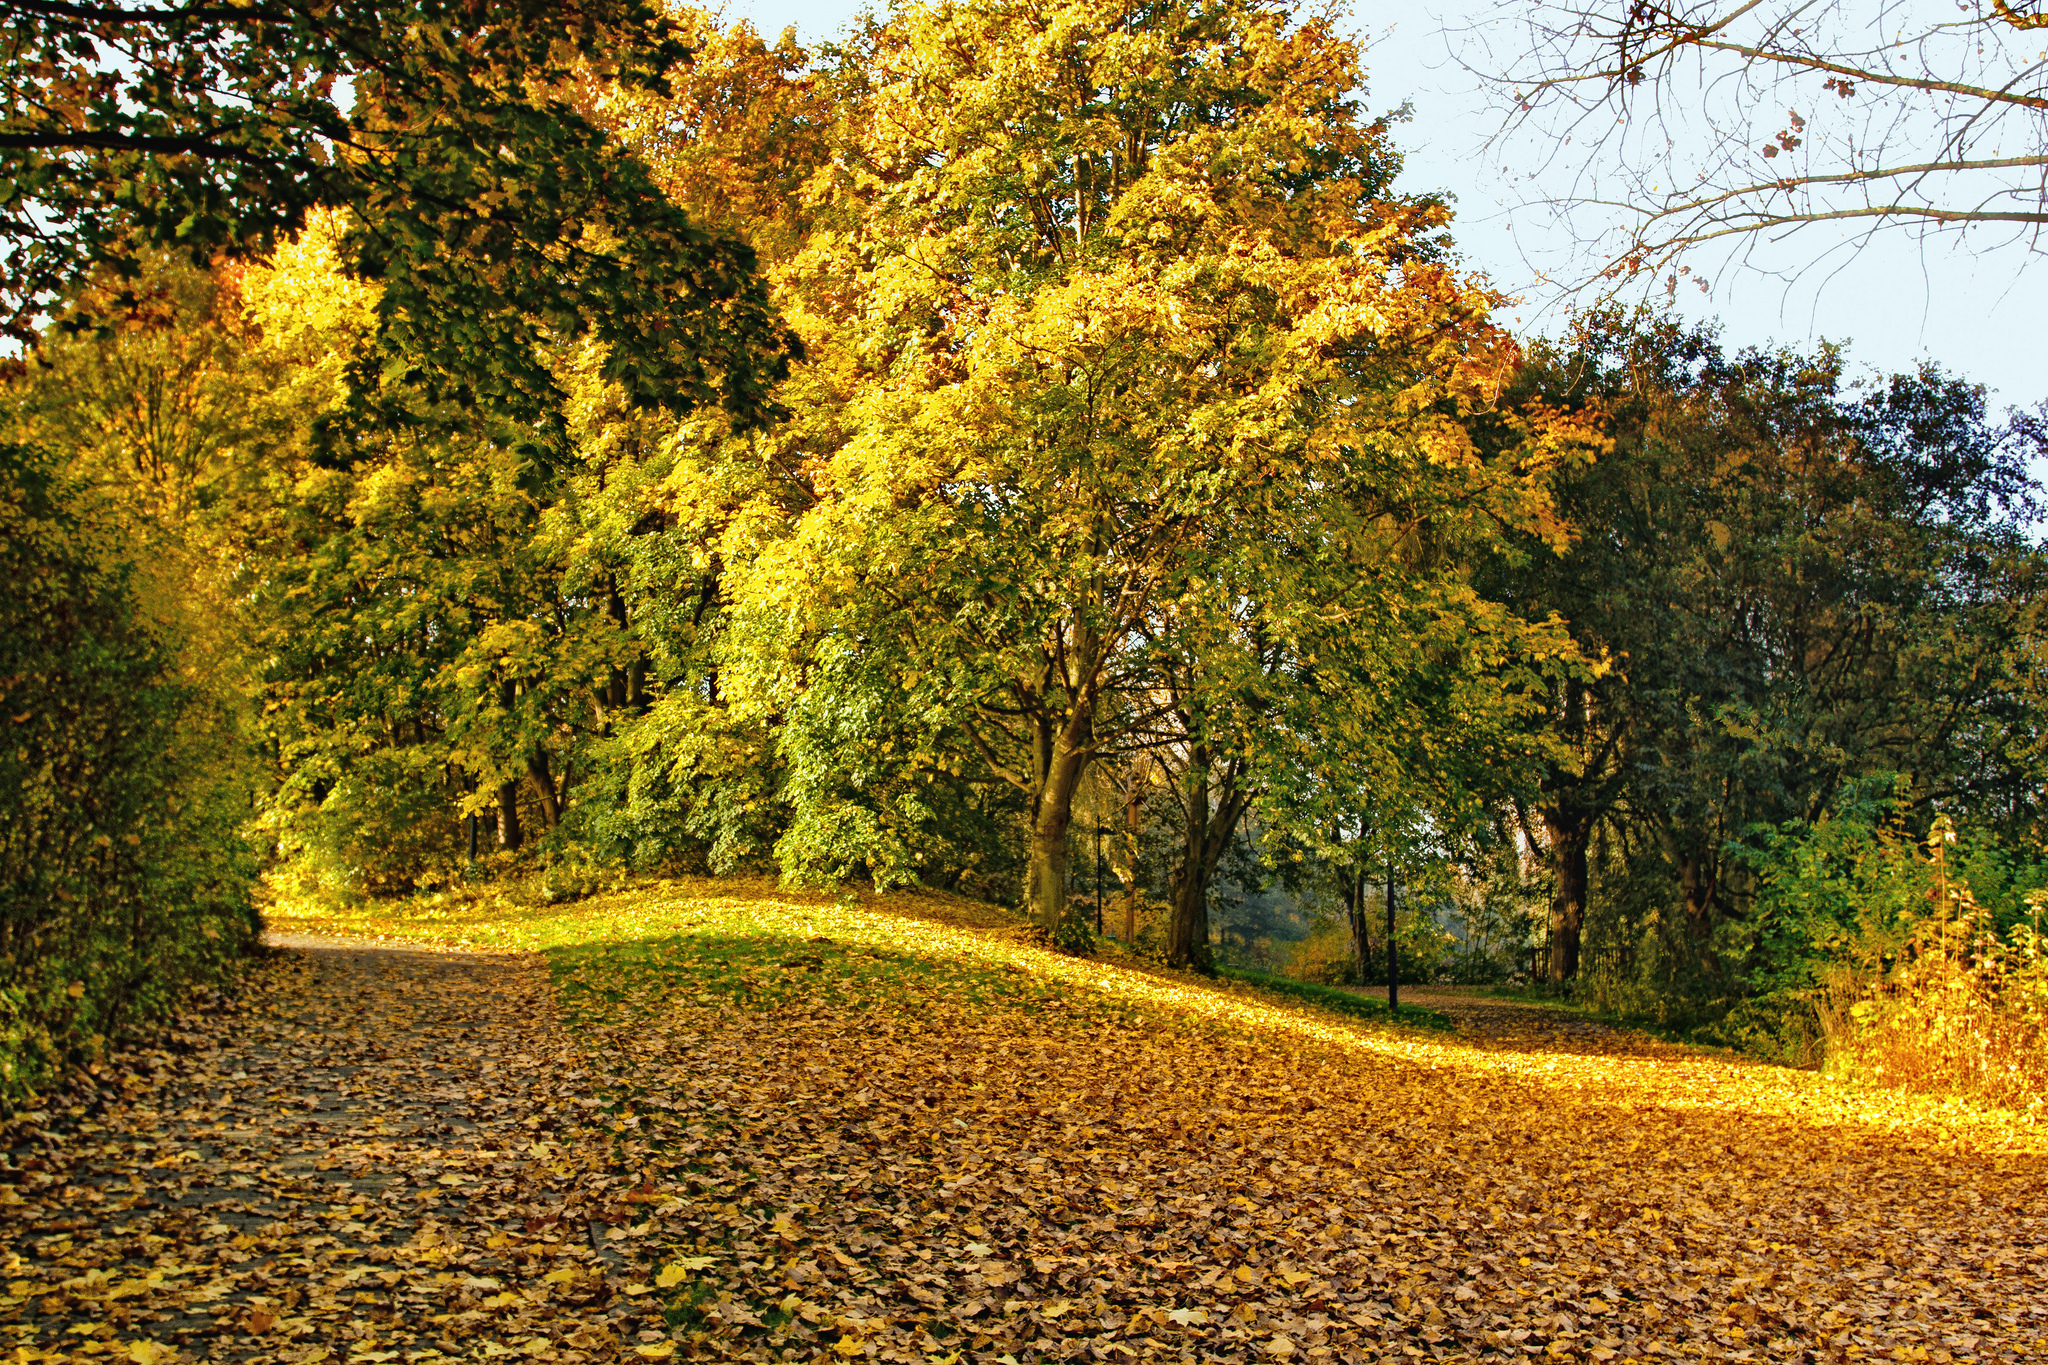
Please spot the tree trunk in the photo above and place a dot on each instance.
(1049, 870)
(625, 689)
(1393, 950)
(1062, 760)
(543, 783)
(1354, 905)
(1699, 885)
(1361, 924)
(510, 835)
(1206, 836)
(1569, 833)
(1188, 939)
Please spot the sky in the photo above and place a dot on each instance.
(1892, 304)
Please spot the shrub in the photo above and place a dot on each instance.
(1909, 964)
(1964, 1010)
(123, 879)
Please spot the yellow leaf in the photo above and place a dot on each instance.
(673, 1275)
(662, 1350)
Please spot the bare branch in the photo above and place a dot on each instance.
(1642, 125)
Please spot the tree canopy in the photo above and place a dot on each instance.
(496, 218)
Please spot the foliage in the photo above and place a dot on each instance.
(124, 882)
(1116, 435)
(1964, 1012)
(539, 659)
(1902, 963)
(497, 220)
(1793, 587)
(1147, 462)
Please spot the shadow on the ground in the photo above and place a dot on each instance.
(1530, 1025)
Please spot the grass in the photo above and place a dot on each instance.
(724, 945)
(715, 965)
(1338, 1001)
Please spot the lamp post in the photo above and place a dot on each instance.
(1098, 876)
(1393, 967)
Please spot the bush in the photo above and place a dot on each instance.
(383, 827)
(1327, 958)
(1912, 964)
(124, 882)
(1964, 1011)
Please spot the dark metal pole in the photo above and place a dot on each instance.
(1393, 966)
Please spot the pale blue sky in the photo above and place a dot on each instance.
(1892, 302)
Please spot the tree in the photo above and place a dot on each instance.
(1732, 124)
(496, 218)
(1793, 587)
(1363, 686)
(1099, 295)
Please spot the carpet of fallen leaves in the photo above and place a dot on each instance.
(724, 1122)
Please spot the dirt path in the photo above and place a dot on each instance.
(322, 1175)
(1530, 1025)
(847, 1135)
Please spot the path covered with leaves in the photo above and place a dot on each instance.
(343, 1166)
(722, 1123)
(1490, 1021)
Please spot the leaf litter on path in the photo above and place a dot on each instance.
(729, 1123)
(354, 1164)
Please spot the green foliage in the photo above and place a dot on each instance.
(1794, 586)
(472, 187)
(124, 882)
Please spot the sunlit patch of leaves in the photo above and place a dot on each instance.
(779, 1126)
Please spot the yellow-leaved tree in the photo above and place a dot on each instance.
(1115, 327)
